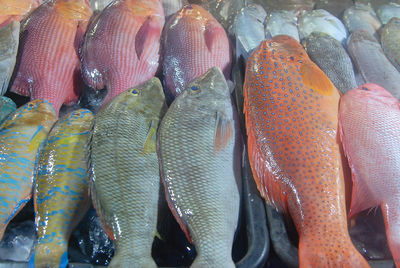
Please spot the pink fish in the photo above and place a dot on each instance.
(121, 47)
(193, 43)
(369, 121)
(49, 66)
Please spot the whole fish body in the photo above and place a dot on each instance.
(249, 29)
(361, 17)
(99, 5)
(7, 106)
(193, 42)
(371, 62)
(121, 46)
(49, 67)
(15, 10)
(369, 120)
(282, 22)
(388, 11)
(199, 149)
(172, 6)
(21, 136)
(61, 188)
(321, 21)
(336, 8)
(125, 192)
(9, 39)
(291, 120)
(332, 58)
(390, 38)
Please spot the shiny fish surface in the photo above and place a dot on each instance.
(388, 11)
(296, 6)
(361, 17)
(282, 22)
(199, 152)
(21, 136)
(9, 39)
(15, 10)
(371, 62)
(7, 106)
(99, 5)
(291, 112)
(390, 40)
(124, 171)
(172, 6)
(61, 189)
(332, 58)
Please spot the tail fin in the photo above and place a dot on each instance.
(392, 225)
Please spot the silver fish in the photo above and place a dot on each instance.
(332, 58)
(361, 17)
(388, 11)
(9, 40)
(124, 173)
(375, 4)
(296, 6)
(390, 40)
(282, 22)
(336, 7)
(99, 5)
(199, 150)
(371, 62)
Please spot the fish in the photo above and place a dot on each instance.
(199, 153)
(172, 6)
(121, 46)
(61, 196)
(361, 17)
(193, 42)
(21, 136)
(291, 111)
(369, 120)
(48, 64)
(99, 5)
(125, 192)
(296, 6)
(388, 11)
(371, 62)
(16, 10)
(330, 55)
(7, 106)
(375, 4)
(321, 21)
(9, 39)
(282, 22)
(249, 29)
(336, 8)
(390, 38)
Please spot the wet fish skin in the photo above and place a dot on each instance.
(321, 21)
(282, 22)
(390, 39)
(296, 6)
(193, 42)
(200, 174)
(332, 58)
(289, 105)
(121, 46)
(375, 4)
(172, 6)
(388, 11)
(371, 62)
(21, 136)
(361, 17)
(16, 10)
(99, 5)
(7, 106)
(125, 192)
(369, 125)
(61, 189)
(336, 8)
(9, 39)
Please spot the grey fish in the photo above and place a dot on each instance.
(172, 6)
(99, 5)
(332, 58)
(282, 22)
(375, 4)
(336, 7)
(361, 17)
(249, 29)
(7, 106)
(199, 150)
(371, 62)
(296, 6)
(390, 40)
(9, 40)
(388, 11)
(124, 173)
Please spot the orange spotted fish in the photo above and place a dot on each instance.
(291, 111)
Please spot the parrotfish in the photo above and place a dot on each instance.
(121, 46)
(61, 195)
(336, 7)
(291, 112)
(124, 173)
(332, 58)
(199, 153)
(15, 10)
(369, 120)
(48, 64)
(371, 62)
(282, 22)
(388, 11)
(9, 39)
(390, 40)
(322, 21)
(193, 43)
(21, 136)
(361, 17)
(7, 106)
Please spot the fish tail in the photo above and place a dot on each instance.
(49, 256)
(392, 226)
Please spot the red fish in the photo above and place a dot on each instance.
(291, 110)
(15, 10)
(369, 120)
(193, 43)
(121, 46)
(49, 66)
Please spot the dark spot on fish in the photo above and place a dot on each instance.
(364, 88)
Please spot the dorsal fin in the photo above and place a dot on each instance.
(314, 78)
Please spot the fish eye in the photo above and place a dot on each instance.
(364, 88)
(135, 92)
(194, 88)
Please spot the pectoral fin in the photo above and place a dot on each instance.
(151, 139)
(223, 131)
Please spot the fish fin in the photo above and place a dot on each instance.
(223, 131)
(212, 35)
(151, 139)
(392, 225)
(315, 79)
(20, 87)
(19, 206)
(148, 34)
(78, 10)
(157, 234)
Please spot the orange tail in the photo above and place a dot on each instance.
(391, 216)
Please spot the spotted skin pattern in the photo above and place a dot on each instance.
(21, 136)
(61, 188)
(291, 119)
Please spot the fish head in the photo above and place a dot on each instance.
(286, 46)
(78, 119)
(374, 92)
(194, 12)
(76, 10)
